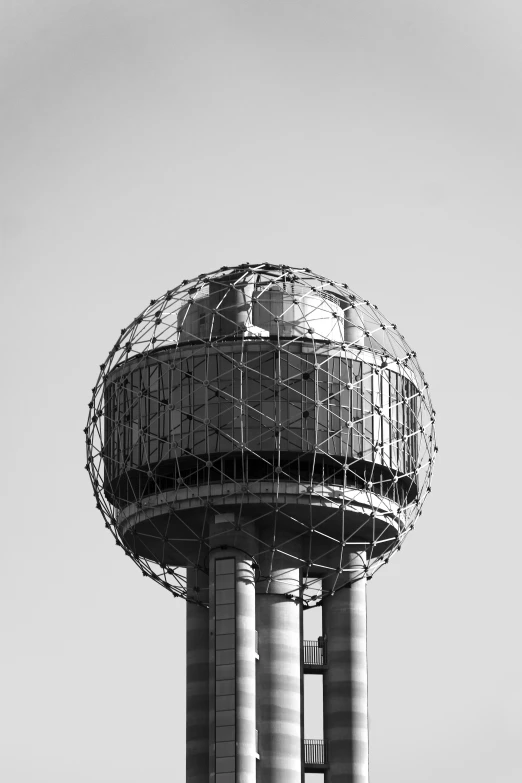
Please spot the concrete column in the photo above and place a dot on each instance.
(353, 326)
(233, 304)
(197, 678)
(279, 693)
(345, 685)
(232, 668)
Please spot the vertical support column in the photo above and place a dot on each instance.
(301, 644)
(353, 326)
(197, 678)
(345, 685)
(279, 679)
(232, 668)
(231, 299)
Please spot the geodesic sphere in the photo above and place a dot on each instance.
(264, 405)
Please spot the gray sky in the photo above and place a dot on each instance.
(143, 141)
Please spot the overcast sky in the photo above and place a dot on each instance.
(144, 141)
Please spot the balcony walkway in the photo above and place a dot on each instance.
(314, 656)
(315, 755)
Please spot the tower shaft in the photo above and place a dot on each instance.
(345, 685)
(232, 669)
(279, 678)
(245, 709)
(198, 649)
(270, 433)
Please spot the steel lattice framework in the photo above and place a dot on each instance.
(270, 400)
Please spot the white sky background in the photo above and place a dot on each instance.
(142, 142)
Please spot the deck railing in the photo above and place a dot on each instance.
(314, 652)
(315, 753)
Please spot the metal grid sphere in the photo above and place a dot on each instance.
(268, 403)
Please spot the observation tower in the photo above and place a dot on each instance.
(260, 441)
